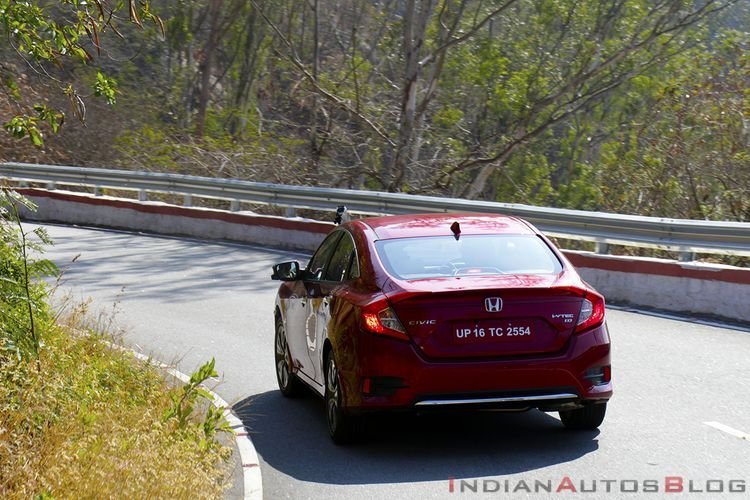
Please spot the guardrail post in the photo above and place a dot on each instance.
(291, 212)
(51, 186)
(687, 256)
(602, 248)
(187, 201)
(142, 195)
(97, 190)
(234, 206)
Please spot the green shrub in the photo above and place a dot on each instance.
(23, 307)
(79, 418)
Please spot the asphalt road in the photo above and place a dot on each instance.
(681, 407)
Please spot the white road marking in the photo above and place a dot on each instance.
(729, 430)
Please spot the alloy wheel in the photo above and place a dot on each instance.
(289, 385)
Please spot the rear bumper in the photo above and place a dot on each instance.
(391, 374)
(522, 401)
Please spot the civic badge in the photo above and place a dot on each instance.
(493, 304)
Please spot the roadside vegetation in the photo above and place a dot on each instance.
(80, 418)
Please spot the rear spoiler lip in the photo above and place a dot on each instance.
(396, 294)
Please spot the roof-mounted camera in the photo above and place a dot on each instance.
(341, 215)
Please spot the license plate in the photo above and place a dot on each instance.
(493, 331)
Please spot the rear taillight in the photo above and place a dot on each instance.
(379, 318)
(592, 312)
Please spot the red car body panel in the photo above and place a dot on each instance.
(431, 361)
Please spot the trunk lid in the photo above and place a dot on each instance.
(486, 317)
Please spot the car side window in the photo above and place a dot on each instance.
(317, 265)
(353, 272)
(341, 259)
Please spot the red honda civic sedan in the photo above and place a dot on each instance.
(441, 311)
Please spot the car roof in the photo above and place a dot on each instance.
(414, 225)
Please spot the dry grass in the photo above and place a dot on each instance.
(86, 422)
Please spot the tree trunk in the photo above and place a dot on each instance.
(207, 64)
(417, 14)
(316, 144)
(249, 60)
(480, 181)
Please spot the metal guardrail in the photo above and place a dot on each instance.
(682, 235)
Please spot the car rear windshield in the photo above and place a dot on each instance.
(444, 256)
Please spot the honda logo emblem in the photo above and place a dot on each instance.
(493, 304)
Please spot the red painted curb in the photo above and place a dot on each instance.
(698, 271)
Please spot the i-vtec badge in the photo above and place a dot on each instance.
(493, 304)
(422, 322)
(567, 318)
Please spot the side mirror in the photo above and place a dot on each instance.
(286, 271)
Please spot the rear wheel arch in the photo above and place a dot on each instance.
(328, 350)
(343, 427)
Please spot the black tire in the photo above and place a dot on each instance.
(586, 418)
(343, 427)
(289, 384)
